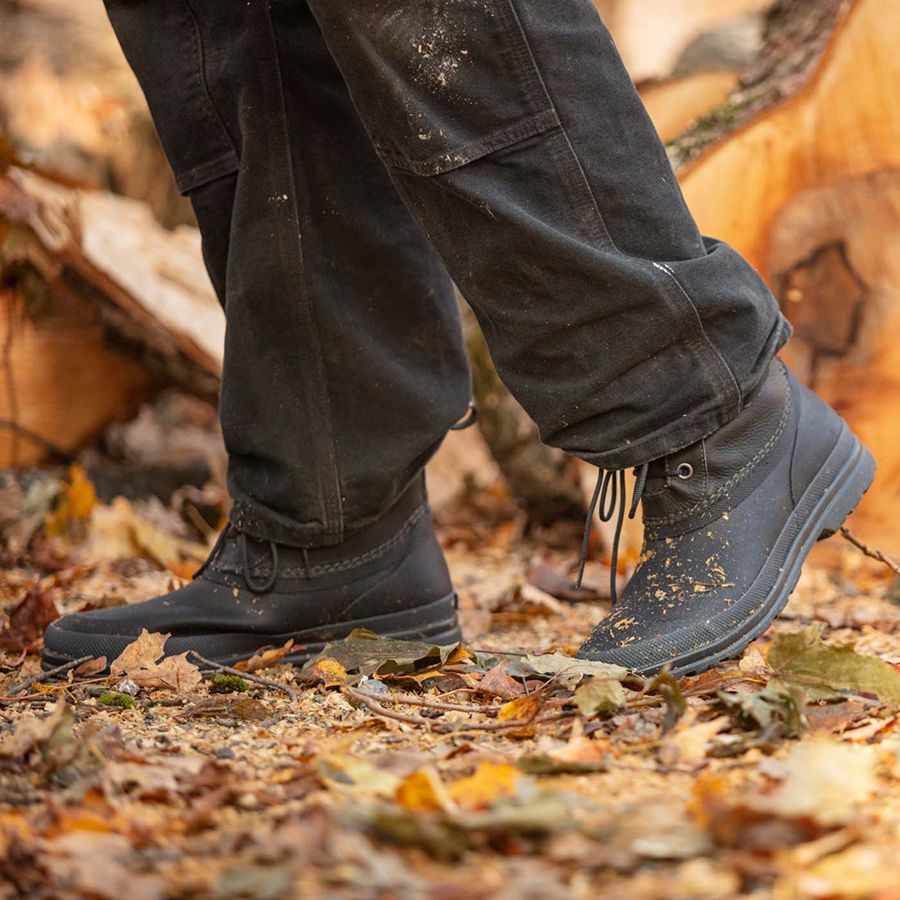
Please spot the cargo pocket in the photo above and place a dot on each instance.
(440, 83)
(162, 42)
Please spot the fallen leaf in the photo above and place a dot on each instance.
(522, 709)
(265, 658)
(823, 671)
(142, 652)
(775, 704)
(861, 871)
(52, 737)
(487, 786)
(688, 744)
(546, 575)
(599, 695)
(825, 780)
(349, 774)
(138, 662)
(365, 652)
(91, 667)
(497, 683)
(328, 672)
(94, 865)
(77, 501)
(578, 756)
(117, 531)
(676, 705)
(28, 620)
(423, 791)
(247, 709)
(571, 671)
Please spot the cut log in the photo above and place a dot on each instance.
(102, 304)
(800, 171)
(70, 104)
(652, 35)
(675, 104)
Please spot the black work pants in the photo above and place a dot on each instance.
(347, 158)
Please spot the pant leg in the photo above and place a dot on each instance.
(344, 362)
(514, 133)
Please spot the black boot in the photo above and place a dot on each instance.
(390, 577)
(728, 524)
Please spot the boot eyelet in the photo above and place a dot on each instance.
(684, 471)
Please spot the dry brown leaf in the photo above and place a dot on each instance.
(91, 667)
(28, 620)
(94, 864)
(138, 661)
(175, 672)
(117, 532)
(689, 742)
(269, 657)
(497, 683)
(50, 735)
(578, 755)
(144, 651)
(826, 780)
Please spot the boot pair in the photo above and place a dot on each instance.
(728, 524)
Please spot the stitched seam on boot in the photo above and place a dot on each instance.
(739, 476)
(325, 568)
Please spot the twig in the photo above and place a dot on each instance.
(258, 679)
(891, 563)
(50, 673)
(412, 700)
(514, 723)
(379, 710)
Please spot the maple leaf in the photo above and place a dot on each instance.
(139, 661)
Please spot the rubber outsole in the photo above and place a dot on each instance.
(825, 514)
(433, 623)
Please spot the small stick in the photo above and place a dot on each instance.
(891, 563)
(258, 679)
(514, 723)
(379, 710)
(50, 673)
(375, 705)
(412, 700)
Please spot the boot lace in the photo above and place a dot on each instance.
(256, 587)
(609, 493)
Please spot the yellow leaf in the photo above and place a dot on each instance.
(520, 709)
(422, 791)
(329, 672)
(459, 654)
(75, 507)
(490, 783)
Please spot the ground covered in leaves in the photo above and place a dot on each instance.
(501, 767)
